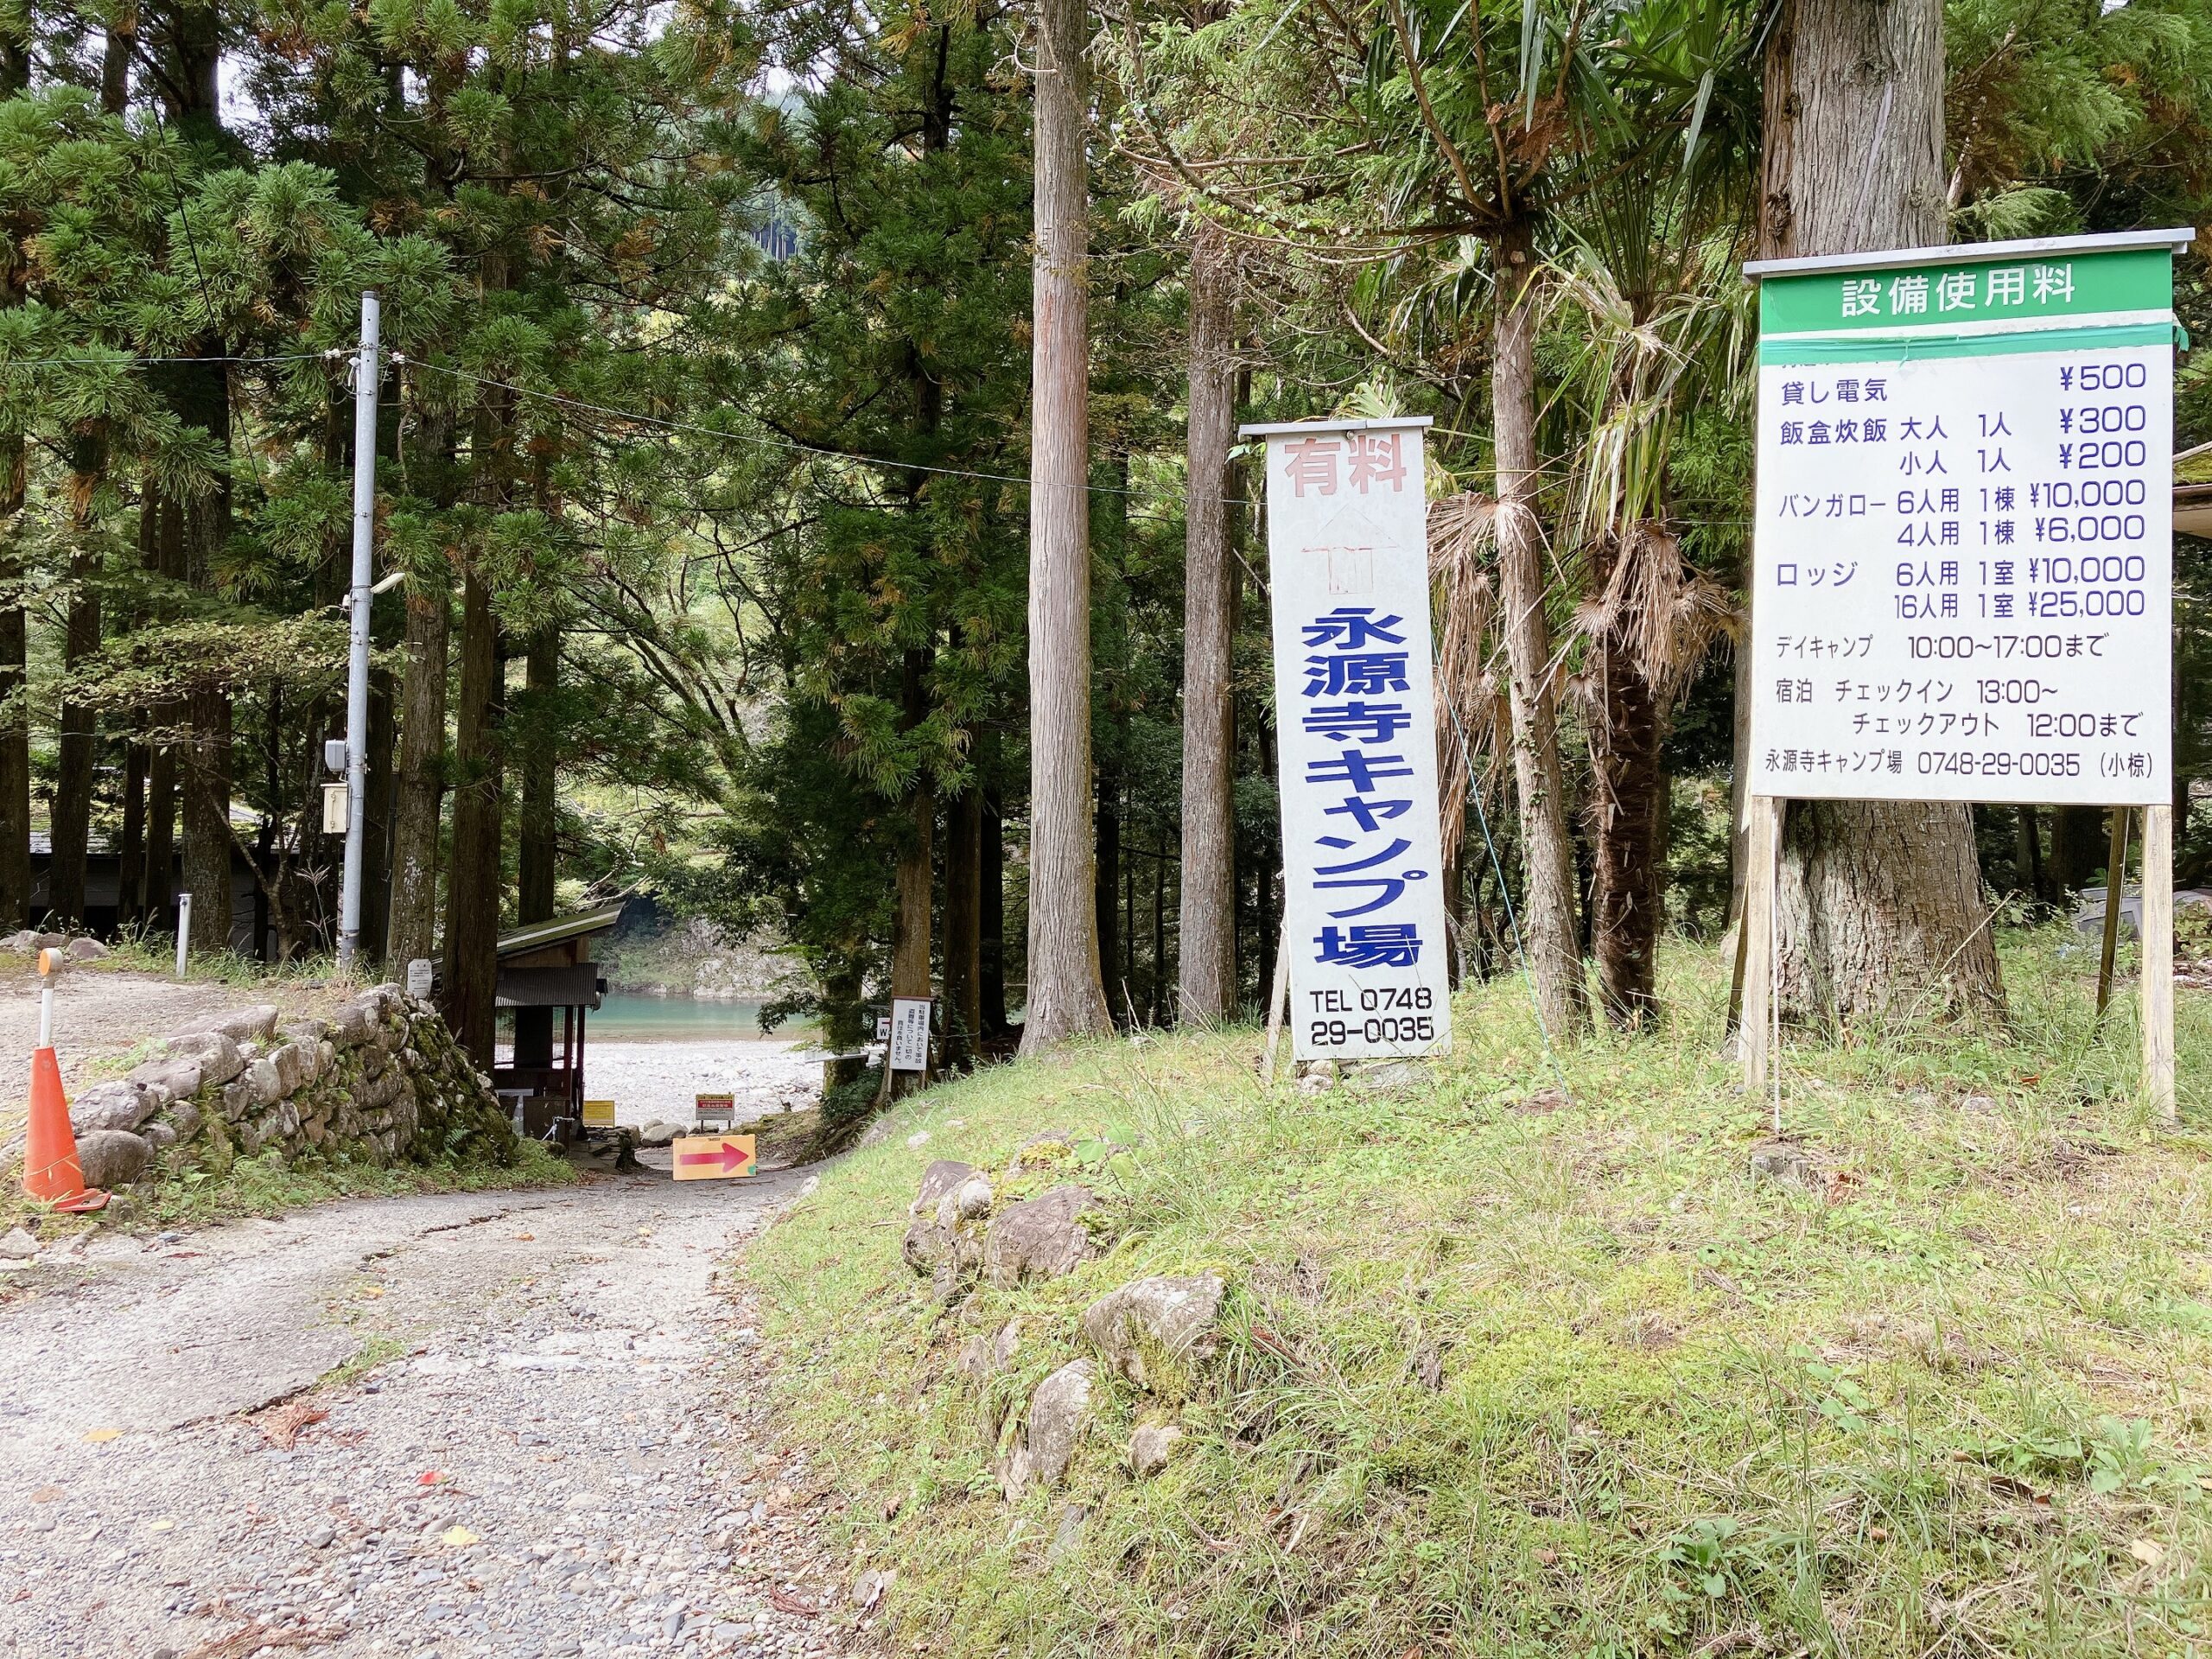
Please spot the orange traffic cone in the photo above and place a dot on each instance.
(51, 1171)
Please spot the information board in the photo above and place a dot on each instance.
(1963, 572)
(910, 1033)
(1348, 556)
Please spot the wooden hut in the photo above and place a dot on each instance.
(546, 969)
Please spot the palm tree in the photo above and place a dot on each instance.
(1655, 333)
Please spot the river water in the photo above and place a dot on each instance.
(625, 1017)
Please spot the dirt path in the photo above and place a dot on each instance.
(540, 1442)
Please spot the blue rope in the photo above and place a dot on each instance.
(1512, 917)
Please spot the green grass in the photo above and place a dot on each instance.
(137, 949)
(1955, 1401)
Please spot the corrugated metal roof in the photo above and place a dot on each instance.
(538, 935)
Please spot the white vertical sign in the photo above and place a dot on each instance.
(910, 1033)
(1348, 555)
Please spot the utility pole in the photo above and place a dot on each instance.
(357, 662)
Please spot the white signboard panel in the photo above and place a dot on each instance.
(910, 1033)
(1963, 580)
(1348, 555)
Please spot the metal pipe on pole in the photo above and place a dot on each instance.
(357, 662)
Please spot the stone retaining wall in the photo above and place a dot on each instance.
(381, 1082)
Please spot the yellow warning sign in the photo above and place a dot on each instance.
(713, 1157)
(599, 1114)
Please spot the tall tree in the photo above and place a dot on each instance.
(185, 58)
(1878, 902)
(411, 931)
(1066, 997)
(471, 967)
(15, 710)
(1547, 913)
(1206, 991)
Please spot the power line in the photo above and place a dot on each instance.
(128, 359)
(583, 405)
(794, 446)
(791, 445)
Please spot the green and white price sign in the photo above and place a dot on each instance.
(1963, 564)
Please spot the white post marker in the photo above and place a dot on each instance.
(357, 662)
(910, 1034)
(183, 931)
(49, 964)
(1363, 858)
(1962, 576)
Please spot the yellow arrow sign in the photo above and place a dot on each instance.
(713, 1157)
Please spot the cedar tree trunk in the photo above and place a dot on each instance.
(473, 889)
(1879, 905)
(911, 933)
(410, 934)
(963, 928)
(1065, 997)
(991, 882)
(1207, 990)
(72, 820)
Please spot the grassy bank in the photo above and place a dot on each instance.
(273, 1186)
(1509, 1374)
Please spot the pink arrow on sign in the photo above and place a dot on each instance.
(729, 1155)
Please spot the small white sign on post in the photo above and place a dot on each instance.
(419, 976)
(1363, 859)
(910, 1033)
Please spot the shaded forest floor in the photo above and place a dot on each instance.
(1513, 1369)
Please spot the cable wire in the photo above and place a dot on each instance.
(791, 445)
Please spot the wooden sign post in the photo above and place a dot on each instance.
(1962, 572)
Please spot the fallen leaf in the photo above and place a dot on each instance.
(525, 1239)
(428, 1478)
(1547, 1558)
(283, 1429)
(102, 1436)
(789, 1604)
(459, 1537)
(2148, 1551)
(47, 1495)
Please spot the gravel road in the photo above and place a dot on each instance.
(512, 1425)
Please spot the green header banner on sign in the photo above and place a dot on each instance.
(1957, 296)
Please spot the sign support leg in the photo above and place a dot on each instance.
(1278, 1001)
(2158, 937)
(1753, 1030)
(2115, 896)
